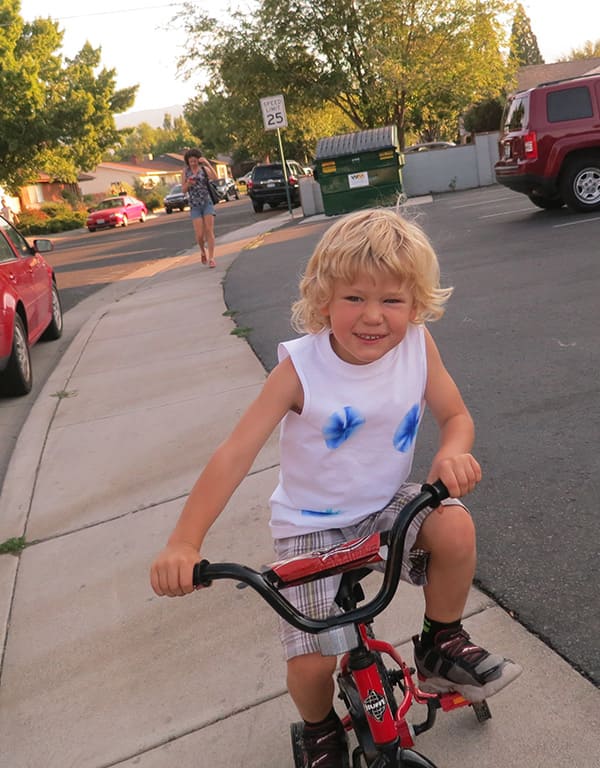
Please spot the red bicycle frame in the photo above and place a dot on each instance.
(388, 730)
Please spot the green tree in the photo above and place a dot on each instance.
(56, 115)
(416, 63)
(485, 116)
(224, 124)
(523, 43)
(175, 134)
(143, 139)
(134, 142)
(589, 50)
(241, 69)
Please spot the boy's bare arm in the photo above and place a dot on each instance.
(171, 572)
(453, 462)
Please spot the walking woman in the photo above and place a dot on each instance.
(194, 181)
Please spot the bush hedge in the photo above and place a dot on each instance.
(50, 219)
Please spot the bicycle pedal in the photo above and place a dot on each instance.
(453, 700)
(482, 711)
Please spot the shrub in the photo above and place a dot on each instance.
(34, 221)
(70, 220)
(72, 198)
(53, 209)
(153, 201)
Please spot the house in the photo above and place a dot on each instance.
(528, 77)
(101, 181)
(148, 171)
(43, 190)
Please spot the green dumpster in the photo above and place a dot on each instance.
(359, 170)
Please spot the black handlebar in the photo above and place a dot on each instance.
(430, 496)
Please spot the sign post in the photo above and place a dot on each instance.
(275, 118)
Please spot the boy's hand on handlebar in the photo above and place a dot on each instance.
(460, 474)
(171, 572)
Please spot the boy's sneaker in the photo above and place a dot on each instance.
(454, 663)
(326, 747)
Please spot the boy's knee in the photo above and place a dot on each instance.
(450, 529)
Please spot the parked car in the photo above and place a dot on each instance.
(427, 146)
(549, 147)
(30, 306)
(243, 180)
(267, 184)
(116, 211)
(176, 199)
(226, 189)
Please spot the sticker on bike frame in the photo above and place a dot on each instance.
(375, 705)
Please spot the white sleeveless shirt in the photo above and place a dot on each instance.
(352, 446)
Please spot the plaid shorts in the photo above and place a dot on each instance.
(317, 598)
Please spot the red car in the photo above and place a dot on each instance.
(550, 144)
(30, 306)
(116, 212)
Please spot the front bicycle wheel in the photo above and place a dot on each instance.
(366, 753)
(408, 758)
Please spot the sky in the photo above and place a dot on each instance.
(138, 41)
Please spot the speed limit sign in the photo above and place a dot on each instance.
(273, 111)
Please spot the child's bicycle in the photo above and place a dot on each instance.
(377, 698)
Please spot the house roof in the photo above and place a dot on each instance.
(528, 77)
(145, 168)
(168, 163)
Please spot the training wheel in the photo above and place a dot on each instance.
(482, 711)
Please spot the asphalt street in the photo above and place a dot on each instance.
(520, 337)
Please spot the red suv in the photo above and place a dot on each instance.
(550, 144)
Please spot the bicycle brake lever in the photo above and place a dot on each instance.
(199, 579)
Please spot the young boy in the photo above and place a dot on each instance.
(350, 395)
(7, 212)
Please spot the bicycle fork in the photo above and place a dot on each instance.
(382, 734)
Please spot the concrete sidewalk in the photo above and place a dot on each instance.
(98, 672)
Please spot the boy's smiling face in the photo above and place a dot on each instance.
(368, 316)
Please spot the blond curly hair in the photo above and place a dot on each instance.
(370, 241)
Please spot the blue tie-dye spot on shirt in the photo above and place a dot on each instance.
(406, 433)
(321, 512)
(340, 426)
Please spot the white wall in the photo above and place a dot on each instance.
(445, 170)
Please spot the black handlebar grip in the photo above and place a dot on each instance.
(199, 579)
(438, 490)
